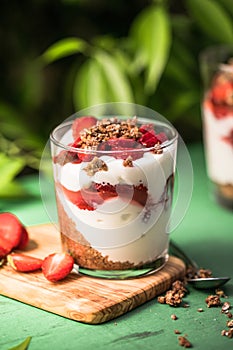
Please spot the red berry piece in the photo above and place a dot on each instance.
(229, 138)
(221, 92)
(145, 128)
(66, 157)
(77, 198)
(24, 263)
(23, 240)
(82, 123)
(10, 229)
(5, 247)
(149, 139)
(125, 147)
(57, 266)
(82, 156)
(162, 137)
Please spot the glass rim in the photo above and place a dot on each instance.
(164, 145)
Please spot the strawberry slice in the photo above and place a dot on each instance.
(24, 263)
(82, 123)
(10, 229)
(57, 266)
(23, 240)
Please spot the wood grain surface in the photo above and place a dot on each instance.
(81, 298)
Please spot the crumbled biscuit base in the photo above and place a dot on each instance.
(81, 250)
(90, 258)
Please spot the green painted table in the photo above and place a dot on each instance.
(206, 234)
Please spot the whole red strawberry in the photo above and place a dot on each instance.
(13, 234)
(57, 266)
(5, 247)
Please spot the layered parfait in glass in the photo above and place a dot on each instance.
(217, 109)
(114, 178)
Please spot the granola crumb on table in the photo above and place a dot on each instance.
(173, 297)
(174, 317)
(183, 341)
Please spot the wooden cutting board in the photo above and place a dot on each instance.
(81, 298)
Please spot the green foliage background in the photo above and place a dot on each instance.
(58, 57)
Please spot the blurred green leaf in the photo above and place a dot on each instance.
(178, 72)
(63, 48)
(212, 19)
(228, 5)
(22, 346)
(105, 42)
(9, 168)
(118, 85)
(184, 55)
(13, 125)
(89, 87)
(182, 103)
(181, 26)
(80, 87)
(152, 34)
(13, 190)
(32, 85)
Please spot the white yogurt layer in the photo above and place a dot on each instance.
(148, 170)
(219, 153)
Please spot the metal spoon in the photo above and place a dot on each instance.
(199, 283)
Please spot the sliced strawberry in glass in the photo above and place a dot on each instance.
(145, 128)
(125, 147)
(66, 157)
(140, 194)
(162, 137)
(106, 191)
(76, 197)
(229, 138)
(149, 139)
(82, 156)
(82, 123)
(221, 92)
